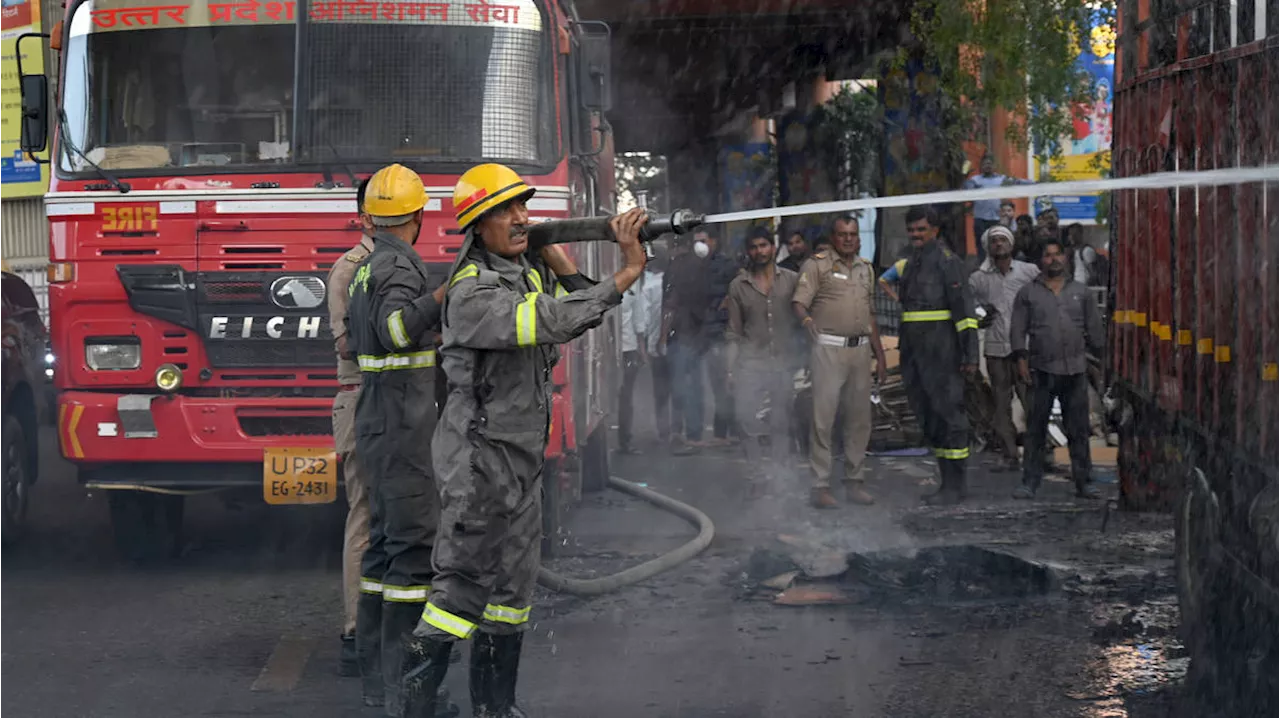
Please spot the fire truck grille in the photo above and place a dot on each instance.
(232, 292)
(244, 354)
(286, 425)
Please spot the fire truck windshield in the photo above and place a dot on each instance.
(157, 87)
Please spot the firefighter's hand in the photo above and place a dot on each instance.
(439, 293)
(1024, 371)
(626, 227)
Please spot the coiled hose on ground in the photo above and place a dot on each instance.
(648, 569)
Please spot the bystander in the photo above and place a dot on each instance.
(1055, 325)
(797, 251)
(720, 271)
(685, 299)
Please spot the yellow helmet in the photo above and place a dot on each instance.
(394, 191)
(484, 187)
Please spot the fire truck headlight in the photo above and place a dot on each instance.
(168, 378)
(112, 353)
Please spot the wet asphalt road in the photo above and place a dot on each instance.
(246, 622)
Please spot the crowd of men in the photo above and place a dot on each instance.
(739, 332)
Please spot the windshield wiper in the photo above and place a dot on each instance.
(328, 175)
(112, 182)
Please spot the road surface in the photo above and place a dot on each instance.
(246, 622)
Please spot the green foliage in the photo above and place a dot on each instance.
(848, 134)
(1019, 55)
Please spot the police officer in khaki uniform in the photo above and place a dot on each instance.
(833, 302)
(356, 537)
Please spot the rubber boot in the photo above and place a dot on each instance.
(369, 647)
(348, 666)
(398, 621)
(425, 663)
(951, 491)
(495, 661)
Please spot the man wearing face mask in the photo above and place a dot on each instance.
(392, 317)
(995, 284)
(1056, 324)
(503, 320)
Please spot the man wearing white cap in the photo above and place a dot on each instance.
(995, 284)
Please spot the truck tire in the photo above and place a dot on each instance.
(147, 526)
(17, 481)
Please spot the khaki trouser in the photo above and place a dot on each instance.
(841, 381)
(356, 538)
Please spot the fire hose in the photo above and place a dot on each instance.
(648, 569)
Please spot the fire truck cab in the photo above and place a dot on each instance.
(204, 165)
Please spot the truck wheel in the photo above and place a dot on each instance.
(147, 526)
(17, 484)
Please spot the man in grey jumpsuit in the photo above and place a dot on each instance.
(392, 319)
(501, 327)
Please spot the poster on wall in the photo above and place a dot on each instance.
(746, 173)
(20, 176)
(1086, 149)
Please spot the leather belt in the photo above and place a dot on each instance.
(833, 340)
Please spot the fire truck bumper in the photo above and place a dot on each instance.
(160, 440)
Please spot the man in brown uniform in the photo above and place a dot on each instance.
(356, 538)
(833, 302)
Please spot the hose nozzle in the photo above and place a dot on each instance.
(681, 221)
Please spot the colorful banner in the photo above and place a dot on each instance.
(914, 147)
(19, 175)
(1086, 150)
(746, 183)
(117, 15)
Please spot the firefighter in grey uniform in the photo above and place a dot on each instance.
(501, 327)
(392, 319)
(939, 345)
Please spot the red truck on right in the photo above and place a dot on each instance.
(1193, 343)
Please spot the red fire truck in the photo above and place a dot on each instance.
(205, 155)
(1194, 337)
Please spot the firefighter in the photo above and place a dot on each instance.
(502, 322)
(392, 319)
(356, 536)
(939, 345)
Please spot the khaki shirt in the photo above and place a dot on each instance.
(339, 277)
(762, 325)
(838, 294)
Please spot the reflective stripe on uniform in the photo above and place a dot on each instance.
(395, 324)
(953, 454)
(447, 622)
(405, 594)
(470, 270)
(535, 278)
(931, 315)
(412, 360)
(966, 323)
(561, 291)
(506, 614)
(368, 585)
(527, 321)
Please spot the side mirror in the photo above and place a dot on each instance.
(35, 113)
(595, 74)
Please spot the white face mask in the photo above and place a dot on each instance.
(701, 249)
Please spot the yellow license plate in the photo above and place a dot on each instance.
(299, 475)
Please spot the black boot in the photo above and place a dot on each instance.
(369, 647)
(348, 666)
(398, 621)
(952, 490)
(425, 663)
(495, 661)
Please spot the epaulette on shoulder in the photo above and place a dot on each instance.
(820, 255)
(488, 278)
(356, 255)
